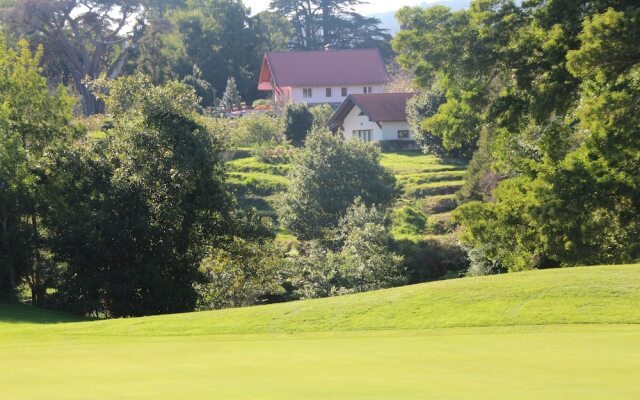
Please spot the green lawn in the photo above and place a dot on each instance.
(554, 334)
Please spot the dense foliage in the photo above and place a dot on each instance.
(298, 121)
(355, 257)
(34, 124)
(327, 175)
(551, 87)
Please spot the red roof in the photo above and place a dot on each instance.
(323, 68)
(379, 107)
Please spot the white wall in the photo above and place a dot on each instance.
(320, 93)
(389, 130)
(355, 121)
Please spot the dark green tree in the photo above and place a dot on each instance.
(145, 209)
(276, 29)
(298, 121)
(223, 40)
(571, 193)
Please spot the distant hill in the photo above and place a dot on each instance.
(389, 20)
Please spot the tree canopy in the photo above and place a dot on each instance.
(82, 39)
(551, 88)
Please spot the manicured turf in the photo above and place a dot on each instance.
(554, 334)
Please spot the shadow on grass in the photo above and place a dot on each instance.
(20, 314)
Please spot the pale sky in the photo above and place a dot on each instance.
(374, 6)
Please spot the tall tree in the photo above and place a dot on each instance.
(85, 38)
(276, 29)
(551, 86)
(319, 24)
(33, 123)
(223, 40)
(145, 208)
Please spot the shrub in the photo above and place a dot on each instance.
(298, 121)
(321, 115)
(261, 103)
(242, 275)
(312, 272)
(432, 259)
(362, 259)
(366, 261)
(392, 146)
(258, 129)
(326, 177)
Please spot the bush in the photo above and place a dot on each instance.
(321, 115)
(392, 146)
(326, 177)
(362, 259)
(312, 272)
(298, 121)
(261, 103)
(243, 275)
(258, 129)
(366, 261)
(432, 259)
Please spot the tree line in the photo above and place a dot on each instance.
(544, 96)
(142, 220)
(200, 42)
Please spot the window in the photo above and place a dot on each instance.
(307, 93)
(329, 92)
(363, 134)
(367, 89)
(344, 92)
(403, 134)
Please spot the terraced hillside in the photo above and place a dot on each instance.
(428, 185)
(551, 334)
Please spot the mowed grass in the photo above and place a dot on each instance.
(553, 334)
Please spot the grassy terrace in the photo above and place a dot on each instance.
(552, 334)
(428, 184)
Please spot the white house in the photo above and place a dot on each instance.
(317, 77)
(373, 117)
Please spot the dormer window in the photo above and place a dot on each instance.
(344, 92)
(329, 94)
(307, 93)
(367, 89)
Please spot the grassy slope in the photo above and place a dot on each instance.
(367, 346)
(427, 184)
(593, 295)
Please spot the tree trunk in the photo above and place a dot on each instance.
(38, 289)
(9, 257)
(90, 104)
(326, 31)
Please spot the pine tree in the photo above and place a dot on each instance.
(231, 97)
